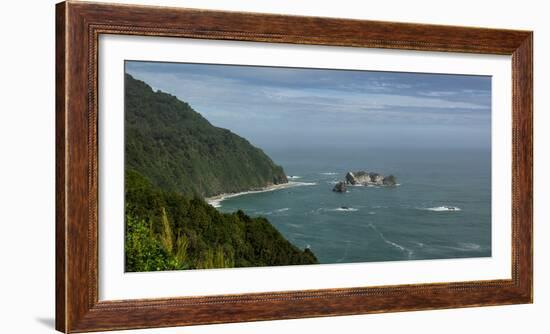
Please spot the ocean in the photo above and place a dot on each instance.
(441, 208)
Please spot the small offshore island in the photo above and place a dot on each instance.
(363, 178)
(174, 161)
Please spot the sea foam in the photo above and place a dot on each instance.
(216, 200)
(402, 248)
(443, 208)
(346, 209)
(282, 210)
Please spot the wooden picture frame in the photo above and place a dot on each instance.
(78, 26)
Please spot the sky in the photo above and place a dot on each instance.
(277, 107)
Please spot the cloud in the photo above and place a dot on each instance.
(257, 100)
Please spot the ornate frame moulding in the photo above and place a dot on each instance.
(78, 27)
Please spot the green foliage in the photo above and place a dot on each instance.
(180, 255)
(174, 158)
(143, 251)
(205, 238)
(179, 150)
(166, 234)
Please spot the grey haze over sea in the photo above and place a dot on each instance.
(432, 131)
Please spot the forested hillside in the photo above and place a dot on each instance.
(175, 158)
(168, 231)
(178, 149)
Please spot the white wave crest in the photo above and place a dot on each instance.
(465, 247)
(329, 173)
(345, 209)
(297, 184)
(443, 208)
(293, 177)
(469, 246)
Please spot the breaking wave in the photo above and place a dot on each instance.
(442, 208)
(282, 210)
(217, 200)
(340, 209)
(345, 209)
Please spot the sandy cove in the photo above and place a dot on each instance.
(215, 201)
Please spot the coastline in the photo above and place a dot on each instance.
(215, 201)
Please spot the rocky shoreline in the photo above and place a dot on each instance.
(364, 178)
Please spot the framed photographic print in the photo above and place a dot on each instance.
(222, 166)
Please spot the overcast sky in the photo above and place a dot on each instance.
(279, 107)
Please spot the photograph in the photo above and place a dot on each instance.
(231, 166)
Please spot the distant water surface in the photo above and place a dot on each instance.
(408, 222)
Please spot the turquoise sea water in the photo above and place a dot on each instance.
(407, 222)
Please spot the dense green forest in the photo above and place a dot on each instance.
(178, 149)
(166, 230)
(175, 158)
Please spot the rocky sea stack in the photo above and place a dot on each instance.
(365, 178)
(340, 187)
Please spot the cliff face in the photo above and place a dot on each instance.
(179, 150)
